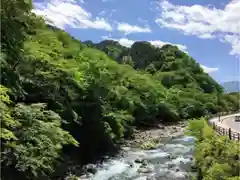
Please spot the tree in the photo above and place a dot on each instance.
(31, 139)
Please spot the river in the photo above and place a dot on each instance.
(170, 161)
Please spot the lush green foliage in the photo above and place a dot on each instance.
(217, 157)
(63, 92)
(31, 138)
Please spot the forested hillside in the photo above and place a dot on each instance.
(63, 101)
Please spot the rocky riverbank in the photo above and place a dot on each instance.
(158, 134)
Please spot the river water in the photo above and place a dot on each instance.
(171, 161)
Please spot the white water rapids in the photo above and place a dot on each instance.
(160, 166)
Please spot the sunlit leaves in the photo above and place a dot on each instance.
(39, 139)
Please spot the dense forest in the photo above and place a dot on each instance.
(65, 102)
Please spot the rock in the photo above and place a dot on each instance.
(138, 161)
(177, 170)
(145, 170)
(182, 125)
(170, 156)
(83, 177)
(144, 163)
(130, 164)
(91, 168)
(170, 165)
(160, 127)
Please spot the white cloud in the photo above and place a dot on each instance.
(128, 29)
(128, 42)
(235, 41)
(62, 13)
(123, 41)
(204, 22)
(159, 43)
(209, 69)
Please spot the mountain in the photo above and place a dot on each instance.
(231, 86)
(168, 64)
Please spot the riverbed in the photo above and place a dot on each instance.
(170, 161)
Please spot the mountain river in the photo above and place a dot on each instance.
(170, 161)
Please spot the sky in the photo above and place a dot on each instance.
(208, 30)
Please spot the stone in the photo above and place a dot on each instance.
(138, 161)
(130, 164)
(91, 168)
(170, 165)
(182, 125)
(161, 127)
(177, 169)
(144, 163)
(83, 176)
(145, 170)
(170, 156)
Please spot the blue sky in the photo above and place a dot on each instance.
(209, 30)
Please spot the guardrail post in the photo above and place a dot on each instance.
(238, 136)
(230, 133)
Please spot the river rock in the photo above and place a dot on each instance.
(171, 156)
(138, 161)
(177, 170)
(182, 125)
(85, 177)
(160, 127)
(145, 169)
(144, 163)
(91, 168)
(171, 165)
(130, 164)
